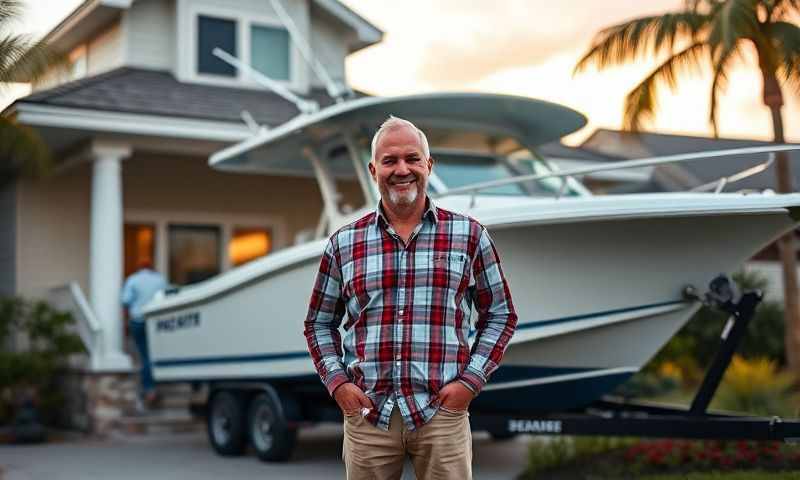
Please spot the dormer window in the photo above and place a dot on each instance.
(260, 41)
(269, 51)
(215, 32)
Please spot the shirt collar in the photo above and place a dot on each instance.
(430, 212)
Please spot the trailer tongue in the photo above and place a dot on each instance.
(617, 417)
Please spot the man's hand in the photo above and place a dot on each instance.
(351, 399)
(455, 396)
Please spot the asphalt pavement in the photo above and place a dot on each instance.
(188, 455)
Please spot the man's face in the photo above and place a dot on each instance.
(400, 167)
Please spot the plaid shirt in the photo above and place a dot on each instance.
(408, 312)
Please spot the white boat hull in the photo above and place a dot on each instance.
(597, 296)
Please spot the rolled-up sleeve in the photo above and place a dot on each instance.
(321, 326)
(497, 319)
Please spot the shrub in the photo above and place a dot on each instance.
(756, 387)
(36, 342)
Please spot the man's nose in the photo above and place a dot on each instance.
(401, 168)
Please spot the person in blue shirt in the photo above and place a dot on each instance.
(139, 288)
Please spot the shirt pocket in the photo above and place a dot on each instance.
(449, 269)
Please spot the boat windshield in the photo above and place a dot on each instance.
(460, 169)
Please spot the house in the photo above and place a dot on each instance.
(132, 123)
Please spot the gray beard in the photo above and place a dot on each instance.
(403, 199)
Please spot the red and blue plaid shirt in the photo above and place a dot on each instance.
(408, 312)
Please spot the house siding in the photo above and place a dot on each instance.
(8, 239)
(104, 52)
(53, 243)
(329, 47)
(150, 41)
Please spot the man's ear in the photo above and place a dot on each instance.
(372, 171)
(430, 164)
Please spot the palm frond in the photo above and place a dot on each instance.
(784, 8)
(720, 60)
(732, 21)
(10, 10)
(785, 37)
(633, 39)
(640, 103)
(21, 57)
(703, 7)
(22, 151)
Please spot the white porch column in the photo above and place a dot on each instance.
(106, 256)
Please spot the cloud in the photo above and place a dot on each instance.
(447, 44)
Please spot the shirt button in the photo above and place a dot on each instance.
(401, 311)
(397, 357)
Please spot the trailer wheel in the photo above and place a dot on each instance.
(226, 423)
(270, 435)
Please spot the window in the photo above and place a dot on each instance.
(248, 244)
(461, 170)
(139, 245)
(269, 51)
(212, 33)
(193, 253)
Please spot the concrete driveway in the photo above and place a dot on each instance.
(317, 456)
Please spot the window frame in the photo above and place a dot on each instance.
(227, 222)
(244, 21)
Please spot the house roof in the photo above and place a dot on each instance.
(151, 92)
(689, 174)
(557, 149)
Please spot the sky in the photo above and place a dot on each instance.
(527, 48)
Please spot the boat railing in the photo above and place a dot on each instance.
(717, 185)
(70, 298)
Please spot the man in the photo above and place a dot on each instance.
(139, 288)
(402, 275)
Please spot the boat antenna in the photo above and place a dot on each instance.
(334, 89)
(306, 107)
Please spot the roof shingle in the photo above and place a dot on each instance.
(151, 92)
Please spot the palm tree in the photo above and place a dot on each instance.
(21, 57)
(715, 33)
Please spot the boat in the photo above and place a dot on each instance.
(598, 282)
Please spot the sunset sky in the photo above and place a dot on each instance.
(529, 48)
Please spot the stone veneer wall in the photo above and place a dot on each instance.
(96, 403)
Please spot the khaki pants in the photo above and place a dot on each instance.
(441, 449)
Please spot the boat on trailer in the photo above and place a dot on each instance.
(599, 282)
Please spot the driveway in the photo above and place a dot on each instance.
(188, 455)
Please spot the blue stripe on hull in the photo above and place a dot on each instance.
(180, 362)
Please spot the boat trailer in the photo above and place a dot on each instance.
(617, 417)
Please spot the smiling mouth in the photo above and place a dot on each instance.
(403, 183)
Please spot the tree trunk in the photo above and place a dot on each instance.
(773, 98)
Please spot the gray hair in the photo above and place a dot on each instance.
(395, 122)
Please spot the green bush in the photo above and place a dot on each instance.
(36, 341)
